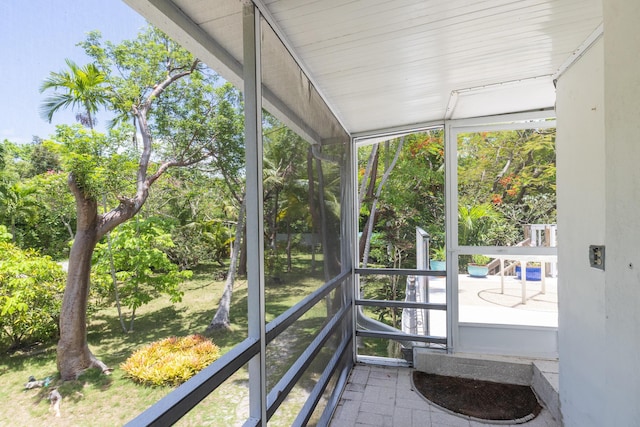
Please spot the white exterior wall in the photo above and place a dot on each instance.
(581, 217)
(598, 110)
(622, 136)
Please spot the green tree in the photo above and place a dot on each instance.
(43, 159)
(57, 211)
(200, 241)
(324, 167)
(171, 96)
(199, 212)
(284, 187)
(413, 195)
(15, 160)
(143, 269)
(25, 187)
(31, 289)
(19, 208)
(510, 174)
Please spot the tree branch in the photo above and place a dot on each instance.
(162, 86)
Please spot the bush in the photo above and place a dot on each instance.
(171, 361)
(31, 288)
(199, 242)
(143, 270)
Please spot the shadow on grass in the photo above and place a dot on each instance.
(74, 390)
(71, 390)
(160, 319)
(37, 357)
(114, 346)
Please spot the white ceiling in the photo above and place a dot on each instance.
(382, 64)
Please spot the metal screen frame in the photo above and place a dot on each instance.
(252, 351)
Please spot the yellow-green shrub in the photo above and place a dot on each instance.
(171, 361)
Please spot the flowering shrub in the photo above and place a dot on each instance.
(171, 361)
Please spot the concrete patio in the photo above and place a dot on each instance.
(481, 301)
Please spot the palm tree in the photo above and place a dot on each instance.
(81, 87)
(474, 221)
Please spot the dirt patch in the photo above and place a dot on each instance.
(484, 400)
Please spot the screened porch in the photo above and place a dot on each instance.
(455, 81)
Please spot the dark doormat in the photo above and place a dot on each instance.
(483, 400)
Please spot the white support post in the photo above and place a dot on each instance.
(523, 279)
(501, 275)
(255, 223)
(451, 234)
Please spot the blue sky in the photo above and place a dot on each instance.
(35, 38)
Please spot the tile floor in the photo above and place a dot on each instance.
(383, 396)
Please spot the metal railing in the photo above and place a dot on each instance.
(176, 404)
(376, 329)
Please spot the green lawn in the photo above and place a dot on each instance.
(98, 400)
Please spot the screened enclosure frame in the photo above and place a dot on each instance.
(365, 326)
(264, 403)
(318, 125)
(543, 119)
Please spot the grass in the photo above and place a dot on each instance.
(98, 400)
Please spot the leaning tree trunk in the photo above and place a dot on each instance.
(326, 253)
(242, 266)
(221, 318)
(114, 281)
(367, 191)
(383, 180)
(112, 271)
(74, 355)
(315, 215)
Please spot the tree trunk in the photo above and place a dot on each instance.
(112, 271)
(242, 268)
(367, 191)
(69, 229)
(315, 216)
(289, 263)
(221, 318)
(326, 254)
(133, 317)
(383, 180)
(274, 222)
(74, 356)
(114, 280)
(370, 171)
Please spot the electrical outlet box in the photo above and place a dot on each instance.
(596, 256)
